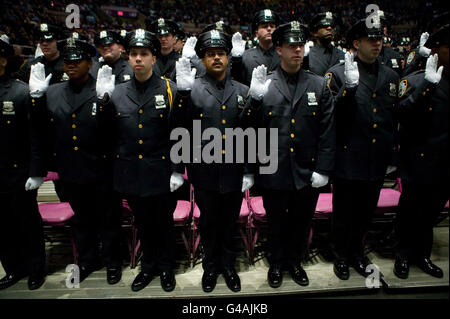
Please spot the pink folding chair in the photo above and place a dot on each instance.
(243, 225)
(57, 214)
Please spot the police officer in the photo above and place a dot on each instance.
(299, 104)
(166, 30)
(417, 58)
(51, 58)
(215, 101)
(323, 55)
(388, 56)
(364, 91)
(424, 154)
(110, 46)
(22, 248)
(82, 164)
(263, 24)
(181, 40)
(140, 110)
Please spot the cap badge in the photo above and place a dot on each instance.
(140, 34)
(328, 15)
(44, 27)
(71, 42)
(103, 34)
(75, 35)
(123, 33)
(161, 22)
(267, 14)
(295, 26)
(215, 35)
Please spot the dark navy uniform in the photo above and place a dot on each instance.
(424, 154)
(301, 107)
(324, 55)
(392, 59)
(22, 248)
(216, 104)
(83, 165)
(366, 146)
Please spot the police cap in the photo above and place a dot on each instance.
(360, 30)
(212, 39)
(292, 32)
(164, 27)
(6, 50)
(143, 39)
(106, 37)
(49, 32)
(440, 37)
(264, 16)
(75, 49)
(322, 20)
(219, 26)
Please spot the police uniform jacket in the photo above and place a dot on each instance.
(120, 68)
(414, 62)
(20, 138)
(141, 135)
(423, 115)
(79, 151)
(392, 59)
(165, 65)
(306, 130)
(215, 109)
(255, 57)
(365, 124)
(321, 58)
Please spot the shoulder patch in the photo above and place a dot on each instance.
(402, 87)
(410, 57)
(328, 77)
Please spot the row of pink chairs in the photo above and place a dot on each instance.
(186, 216)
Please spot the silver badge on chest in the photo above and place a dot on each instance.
(312, 98)
(160, 103)
(94, 109)
(8, 108)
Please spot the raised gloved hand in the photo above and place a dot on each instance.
(247, 182)
(423, 50)
(185, 76)
(259, 84)
(432, 73)
(189, 48)
(391, 169)
(38, 51)
(176, 180)
(307, 49)
(105, 82)
(33, 183)
(38, 83)
(351, 71)
(318, 180)
(238, 45)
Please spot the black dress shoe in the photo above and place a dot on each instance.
(232, 280)
(299, 275)
(275, 276)
(401, 268)
(10, 280)
(360, 265)
(428, 267)
(341, 270)
(141, 281)
(113, 275)
(168, 282)
(209, 280)
(36, 280)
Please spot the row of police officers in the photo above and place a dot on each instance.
(104, 125)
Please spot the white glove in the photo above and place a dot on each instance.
(38, 83)
(38, 51)
(33, 183)
(185, 76)
(423, 50)
(259, 84)
(307, 48)
(247, 182)
(318, 180)
(105, 81)
(238, 45)
(189, 48)
(390, 169)
(351, 71)
(431, 75)
(176, 180)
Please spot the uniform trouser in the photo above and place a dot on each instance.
(419, 208)
(154, 221)
(354, 203)
(98, 217)
(289, 216)
(218, 216)
(22, 246)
